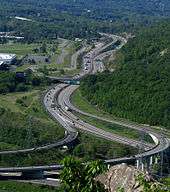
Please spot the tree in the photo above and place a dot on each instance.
(62, 72)
(79, 177)
(149, 186)
(43, 48)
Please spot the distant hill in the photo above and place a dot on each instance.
(108, 8)
(140, 87)
(100, 8)
(80, 18)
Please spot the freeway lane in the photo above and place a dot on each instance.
(70, 133)
(63, 97)
(97, 60)
(56, 99)
(67, 117)
(161, 143)
(70, 89)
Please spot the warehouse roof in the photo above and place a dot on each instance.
(6, 56)
(1, 62)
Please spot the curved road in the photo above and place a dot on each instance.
(62, 99)
(56, 101)
(162, 143)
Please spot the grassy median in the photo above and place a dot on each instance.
(83, 104)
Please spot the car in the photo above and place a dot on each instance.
(53, 105)
(67, 108)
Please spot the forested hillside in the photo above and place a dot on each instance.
(70, 19)
(140, 87)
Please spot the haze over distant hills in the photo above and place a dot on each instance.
(100, 9)
(79, 18)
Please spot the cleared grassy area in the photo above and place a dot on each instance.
(24, 112)
(116, 129)
(19, 49)
(88, 147)
(82, 104)
(13, 186)
(9, 101)
(66, 73)
(68, 50)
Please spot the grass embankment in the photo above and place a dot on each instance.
(63, 68)
(85, 106)
(81, 103)
(53, 50)
(88, 148)
(24, 122)
(166, 181)
(20, 49)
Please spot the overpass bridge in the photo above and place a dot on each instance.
(143, 160)
(55, 108)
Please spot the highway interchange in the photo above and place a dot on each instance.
(58, 105)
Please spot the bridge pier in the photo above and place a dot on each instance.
(156, 160)
(137, 164)
(38, 174)
(142, 166)
(151, 161)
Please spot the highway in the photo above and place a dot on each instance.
(55, 102)
(70, 133)
(61, 102)
(97, 60)
(75, 56)
(70, 90)
(57, 99)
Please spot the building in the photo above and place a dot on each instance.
(7, 58)
(3, 66)
(1, 63)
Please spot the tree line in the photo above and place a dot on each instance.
(139, 88)
(53, 19)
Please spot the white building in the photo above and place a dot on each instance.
(1, 63)
(7, 58)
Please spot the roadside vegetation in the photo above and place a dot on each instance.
(11, 82)
(82, 103)
(23, 120)
(87, 147)
(139, 89)
(20, 49)
(24, 123)
(116, 129)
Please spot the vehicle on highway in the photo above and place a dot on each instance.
(67, 108)
(53, 105)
